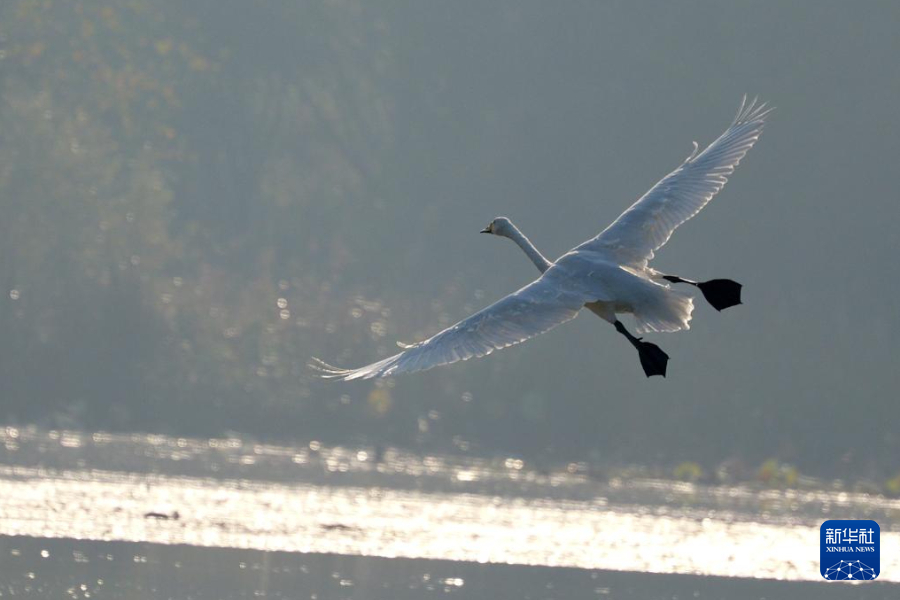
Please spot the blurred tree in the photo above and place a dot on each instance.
(196, 196)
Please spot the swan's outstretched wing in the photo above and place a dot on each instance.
(536, 308)
(648, 223)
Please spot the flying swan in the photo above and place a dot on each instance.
(608, 274)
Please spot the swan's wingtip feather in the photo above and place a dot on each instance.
(381, 368)
(325, 370)
(752, 112)
(740, 109)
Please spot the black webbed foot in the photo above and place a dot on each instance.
(721, 293)
(653, 359)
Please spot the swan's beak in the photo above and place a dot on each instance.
(486, 230)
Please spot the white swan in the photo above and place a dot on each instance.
(720, 293)
(608, 274)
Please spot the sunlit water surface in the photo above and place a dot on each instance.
(154, 516)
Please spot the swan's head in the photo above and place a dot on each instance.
(499, 226)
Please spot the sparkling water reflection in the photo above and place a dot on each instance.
(229, 493)
(90, 569)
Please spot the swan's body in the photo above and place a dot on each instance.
(721, 293)
(608, 274)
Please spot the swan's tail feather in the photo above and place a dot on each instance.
(670, 311)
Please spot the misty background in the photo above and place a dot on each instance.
(196, 197)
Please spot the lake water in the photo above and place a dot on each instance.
(138, 516)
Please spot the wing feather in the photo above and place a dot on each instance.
(648, 224)
(534, 309)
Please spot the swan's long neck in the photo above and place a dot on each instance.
(528, 248)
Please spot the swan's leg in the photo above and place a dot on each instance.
(720, 293)
(653, 359)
